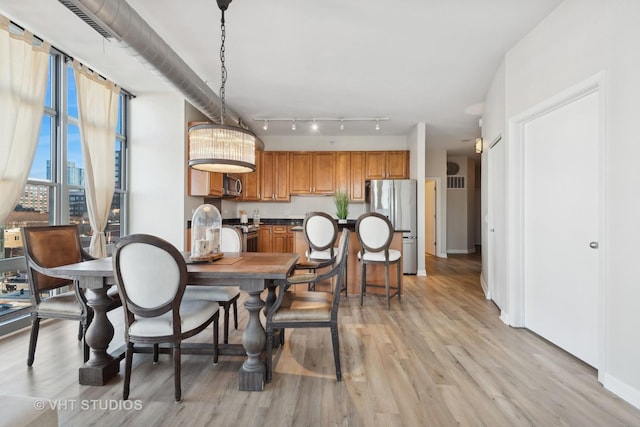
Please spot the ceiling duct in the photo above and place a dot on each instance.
(116, 20)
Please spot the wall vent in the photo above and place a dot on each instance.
(456, 182)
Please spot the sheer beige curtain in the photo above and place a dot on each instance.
(23, 82)
(98, 111)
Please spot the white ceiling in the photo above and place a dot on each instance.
(409, 60)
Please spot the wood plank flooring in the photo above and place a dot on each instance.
(440, 357)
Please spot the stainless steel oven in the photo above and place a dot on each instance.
(249, 238)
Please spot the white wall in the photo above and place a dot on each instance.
(578, 40)
(157, 167)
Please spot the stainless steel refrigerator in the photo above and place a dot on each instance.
(397, 200)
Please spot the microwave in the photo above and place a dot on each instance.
(231, 186)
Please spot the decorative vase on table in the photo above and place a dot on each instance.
(206, 224)
(341, 200)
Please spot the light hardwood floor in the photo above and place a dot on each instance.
(440, 357)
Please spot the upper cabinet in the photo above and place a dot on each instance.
(357, 173)
(275, 176)
(386, 165)
(252, 182)
(206, 184)
(312, 172)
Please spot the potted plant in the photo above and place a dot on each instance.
(341, 199)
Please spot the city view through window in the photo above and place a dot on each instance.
(52, 195)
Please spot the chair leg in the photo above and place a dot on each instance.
(346, 282)
(281, 336)
(363, 281)
(80, 331)
(85, 346)
(399, 280)
(176, 370)
(215, 340)
(226, 323)
(336, 351)
(35, 327)
(235, 313)
(156, 350)
(386, 285)
(268, 351)
(127, 371)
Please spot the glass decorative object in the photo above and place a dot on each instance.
(206, 225)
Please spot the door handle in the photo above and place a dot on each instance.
(593, 245)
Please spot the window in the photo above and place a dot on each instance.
(54, 193)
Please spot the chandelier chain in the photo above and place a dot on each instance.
(223, 70)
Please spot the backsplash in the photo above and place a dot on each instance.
(296, 209)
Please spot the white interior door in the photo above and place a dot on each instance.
(497, 225)
(430, 217)
(561, 226)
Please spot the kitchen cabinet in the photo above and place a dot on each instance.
(275, 176)
(387, 165)
(275, 238)
(264, 238)
(343, 171)
(357, 176)
(312, 172)
(252, 182)
(207, 184)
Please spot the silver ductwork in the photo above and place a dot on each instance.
(115, 19)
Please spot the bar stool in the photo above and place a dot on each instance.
(375, 233)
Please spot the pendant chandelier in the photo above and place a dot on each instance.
(219, 147)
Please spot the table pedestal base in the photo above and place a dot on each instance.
(99, 375)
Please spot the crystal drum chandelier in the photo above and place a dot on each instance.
(219, 147)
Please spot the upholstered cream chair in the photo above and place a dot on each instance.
(53, 246)
(151, 275)
(320, 232)
(375, 233)
(226, 296)
(309, 309)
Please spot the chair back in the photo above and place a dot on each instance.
(320, 231)
(374, 232)
(47, 247)
(341, 266)
(230, 239)
(151, 275)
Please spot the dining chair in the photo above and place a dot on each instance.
(375, 232)
(309, 309)
(226, 296)
(53, 246)
(151, 275)
(320, 232)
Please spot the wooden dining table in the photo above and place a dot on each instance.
(251, 271)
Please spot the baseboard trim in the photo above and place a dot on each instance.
(622, 389)
(485, 287)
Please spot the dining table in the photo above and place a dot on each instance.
(253, 272)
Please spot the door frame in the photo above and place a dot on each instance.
(441, 250)
(515, 202)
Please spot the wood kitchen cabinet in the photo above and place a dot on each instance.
(275, 238)
(252, 182)
(275, 176)
(386, 165)
(264, 238)
(207, 184)
(343, 171)
(312, 172)
(357, 176)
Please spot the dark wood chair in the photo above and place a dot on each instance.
(53, 246)
(226, 296)
(375, 233)
(309, 309)
(151, 275)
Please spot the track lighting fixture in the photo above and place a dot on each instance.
(315, 125)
